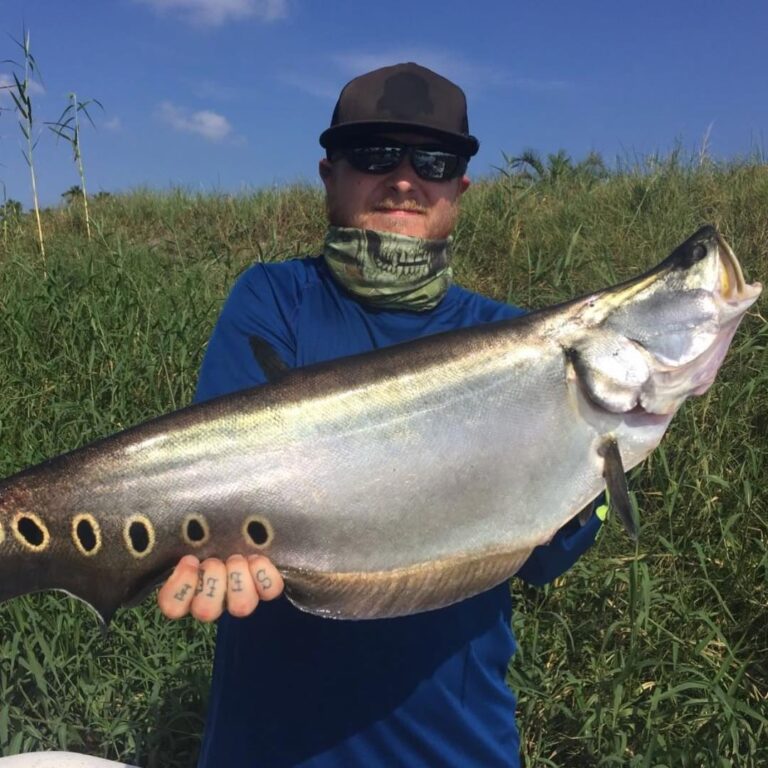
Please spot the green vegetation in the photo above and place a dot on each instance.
(650, 657)
(26, 77)
(67, 127)
(21, 93)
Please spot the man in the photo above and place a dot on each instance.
(290, 689)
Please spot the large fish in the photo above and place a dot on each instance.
(396, 481)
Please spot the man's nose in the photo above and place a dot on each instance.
(401, 184)
(403, 178)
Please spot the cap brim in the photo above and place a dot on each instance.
(336, 136)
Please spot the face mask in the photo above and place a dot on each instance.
(389, 271)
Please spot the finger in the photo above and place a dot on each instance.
(175, 596)
(208, 602)
(267, 578)
(242, 597)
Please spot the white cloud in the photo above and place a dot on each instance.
(113, 124)
(205, 123)
(217, 12)
(213, 90)
(321, 87)
(469, 75)
(6, 83)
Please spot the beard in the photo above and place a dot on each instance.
(429, 223)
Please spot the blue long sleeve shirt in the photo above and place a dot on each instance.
(292, 689)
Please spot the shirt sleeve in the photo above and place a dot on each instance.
(262, 303)
(549, 561)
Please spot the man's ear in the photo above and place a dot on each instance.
(325, 168)
(464, 184)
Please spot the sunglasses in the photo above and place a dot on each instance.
(431, 163)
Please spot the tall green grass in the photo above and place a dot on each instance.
(655, 656)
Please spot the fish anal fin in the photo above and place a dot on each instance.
(401, 591)
(104, 600)
(616, 483)
(145, 587)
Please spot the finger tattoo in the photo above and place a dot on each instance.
(211, 582)
(237, 581)
(263, 579)
(182, 593)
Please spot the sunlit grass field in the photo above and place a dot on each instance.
(655, 655)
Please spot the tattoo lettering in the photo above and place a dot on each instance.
(211, 582)
(200, 574)
(237, 581)
(182, 593)
(263, 579)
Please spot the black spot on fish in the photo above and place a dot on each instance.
(139, 536)
(257, 532)
(195, 530)
(31, 531)
(86, 535)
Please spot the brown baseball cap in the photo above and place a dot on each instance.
(404, 97)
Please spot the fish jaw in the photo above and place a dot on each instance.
(735, 294)
(662, 337)
(694, 371)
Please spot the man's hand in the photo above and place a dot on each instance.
(206, 589)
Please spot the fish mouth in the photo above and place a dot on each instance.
(731, 276)
(732, 296)
(732, 288)
(670, 328)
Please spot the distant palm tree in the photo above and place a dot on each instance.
(529, 166)
(11, 209)
(72, 194)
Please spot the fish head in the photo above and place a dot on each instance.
(701, 290)
(651, 342)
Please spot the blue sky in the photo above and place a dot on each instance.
(231, 95)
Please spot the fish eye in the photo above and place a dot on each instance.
(698, 253)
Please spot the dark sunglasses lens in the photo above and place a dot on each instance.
(429, 164)
(435, 165)
(374, 159)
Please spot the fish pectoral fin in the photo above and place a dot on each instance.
(401, 591)
(268, 360)
(616, 483)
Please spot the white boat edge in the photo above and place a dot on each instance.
(58, 760)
